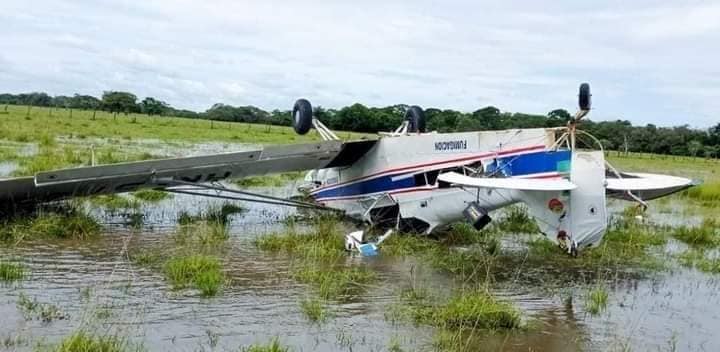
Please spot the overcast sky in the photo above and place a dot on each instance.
(647, 61)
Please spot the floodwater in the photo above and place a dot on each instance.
(680, 307)
(95, 286)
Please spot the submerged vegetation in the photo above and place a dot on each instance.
(319, 259)
(314, 309)
(701, 260)
(151, 195)
(45, 312)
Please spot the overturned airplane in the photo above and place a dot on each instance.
(408, 179)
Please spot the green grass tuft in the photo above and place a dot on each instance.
(151, 195)
(596, 300)
(334, 283)
(199, 271)
(323, 241)
(273, 346)
(517, 220)
(467, 309)
(277, 180)
(115, 202)
(11, 271)
(84, 342)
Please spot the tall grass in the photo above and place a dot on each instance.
(707, 192)
(517, 220)
(11, 271)
(596, 300)
(314, 310)
(707, 234)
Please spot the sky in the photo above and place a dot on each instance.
(646, 61)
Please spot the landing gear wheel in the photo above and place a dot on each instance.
(416, 119)
(584, 97)
(302, 116)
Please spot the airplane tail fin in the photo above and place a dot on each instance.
(576, 218)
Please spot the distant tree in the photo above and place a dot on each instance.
(488, 118)
(558, 117)
(61, 101)
(34, 99)
(86, 102)
(119, 102)
(152, 106)
(356, 117)
(714, 135)
(694, 146)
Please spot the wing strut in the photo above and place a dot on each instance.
(259, 198)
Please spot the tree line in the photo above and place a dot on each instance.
(614, 135)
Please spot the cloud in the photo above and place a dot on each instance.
(646, 61)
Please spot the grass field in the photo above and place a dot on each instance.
(40, 122)
(706, 170)
(36, 139)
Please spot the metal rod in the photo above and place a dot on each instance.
(284, 201)
(309, 206)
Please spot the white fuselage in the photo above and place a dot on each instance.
(402, 170)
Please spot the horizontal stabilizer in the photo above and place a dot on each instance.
(523, 184)
(646, 186)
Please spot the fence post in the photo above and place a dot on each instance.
(27, 114)
(70, 113)
(93, 117)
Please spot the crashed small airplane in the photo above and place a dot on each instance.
(408, 179)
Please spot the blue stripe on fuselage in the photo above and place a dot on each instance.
(532, 163)
(519, 165)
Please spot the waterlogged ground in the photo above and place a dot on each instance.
(93, 282)
(95, 285)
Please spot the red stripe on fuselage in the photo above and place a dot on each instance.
(480, 156)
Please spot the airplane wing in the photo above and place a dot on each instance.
(524, 184)
(646, 186)
(125, 177)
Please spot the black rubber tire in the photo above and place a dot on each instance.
(416, 118)
(302, 116)
(584, 99)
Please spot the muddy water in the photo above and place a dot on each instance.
(94, 284)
